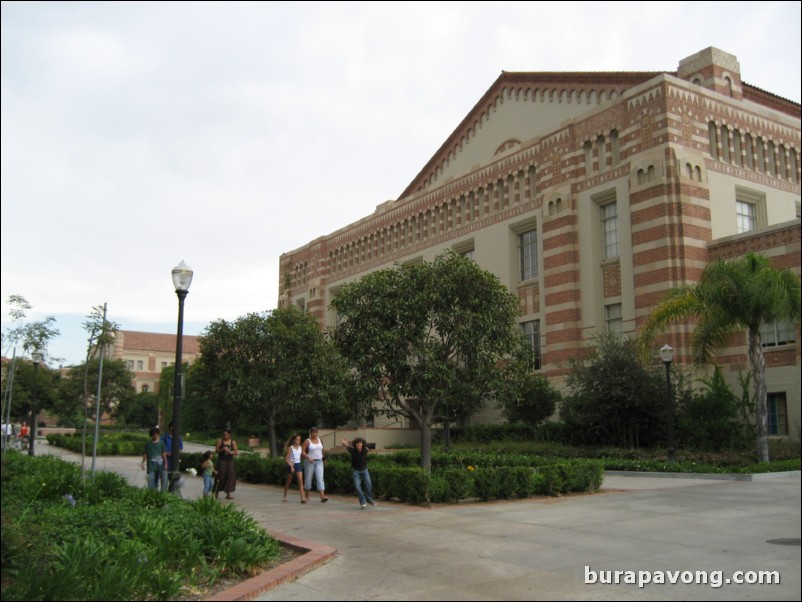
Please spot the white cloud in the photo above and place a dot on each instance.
(135, 135)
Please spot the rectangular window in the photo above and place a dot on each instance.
(747, 217)
(130, 364)
(466, 249)
(532, 332)
(750, 210)
(777, 333)
(527, 254)
(777, 414)
(613, 318)
(609, 223)
(140, 365)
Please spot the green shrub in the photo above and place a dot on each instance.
(103, 539)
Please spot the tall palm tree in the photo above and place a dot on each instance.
(730, 297)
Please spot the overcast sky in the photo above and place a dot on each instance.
(137, 135)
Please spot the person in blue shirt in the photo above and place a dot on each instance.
(168, 443)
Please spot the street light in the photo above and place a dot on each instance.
(667, 353)
(36, 358)
(182, 278)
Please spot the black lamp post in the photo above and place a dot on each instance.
(182, 278)
(667, 353)
(36, 358)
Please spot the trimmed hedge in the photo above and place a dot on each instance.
(398, 476)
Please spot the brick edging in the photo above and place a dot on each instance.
(316, 555)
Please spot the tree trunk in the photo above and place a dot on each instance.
(271, 434)
(426, 446)
(758, 363)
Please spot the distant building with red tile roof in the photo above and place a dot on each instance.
(147, 353)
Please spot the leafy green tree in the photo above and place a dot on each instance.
(18, 306)
(140, 410)
(34, 338)
(531, 400)
(713, 418)
(730, 297)
(116, 387)
(264, 366)
(47, 389)
(613, 399)
(428, 337)
(164, 396)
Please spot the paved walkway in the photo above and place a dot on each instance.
(536, 549)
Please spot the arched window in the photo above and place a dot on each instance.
(736, 148)
(588, 157)
(725, 144)
(600, 144)
(614, 147)
(749, 151)
(713, 136)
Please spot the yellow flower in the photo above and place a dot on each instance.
(470, 468)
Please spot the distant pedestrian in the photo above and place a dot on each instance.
(292, 457)
(313, 452)
(359, 465)
(226, 449)
(155, 457)
(7, 430)
(24, 435)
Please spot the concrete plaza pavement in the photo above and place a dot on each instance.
(540, 548)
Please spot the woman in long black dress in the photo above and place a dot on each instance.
(226, 477)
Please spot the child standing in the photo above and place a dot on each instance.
(294, 471)
(207, 466)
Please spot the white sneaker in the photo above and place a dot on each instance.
(363, 506)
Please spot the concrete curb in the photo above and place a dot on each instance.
(316, 555)
(758, 476)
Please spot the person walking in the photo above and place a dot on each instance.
(313, 453)
(294, 471)
(359, 464)
(156, 458)
(226, 449)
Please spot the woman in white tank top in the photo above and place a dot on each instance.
(313, 454)
(294, 470)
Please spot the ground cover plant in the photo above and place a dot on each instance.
(102, 539)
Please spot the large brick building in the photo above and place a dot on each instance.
(147, 353)
(590, 195)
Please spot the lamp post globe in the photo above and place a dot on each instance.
(667, 355)
(182, 278)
